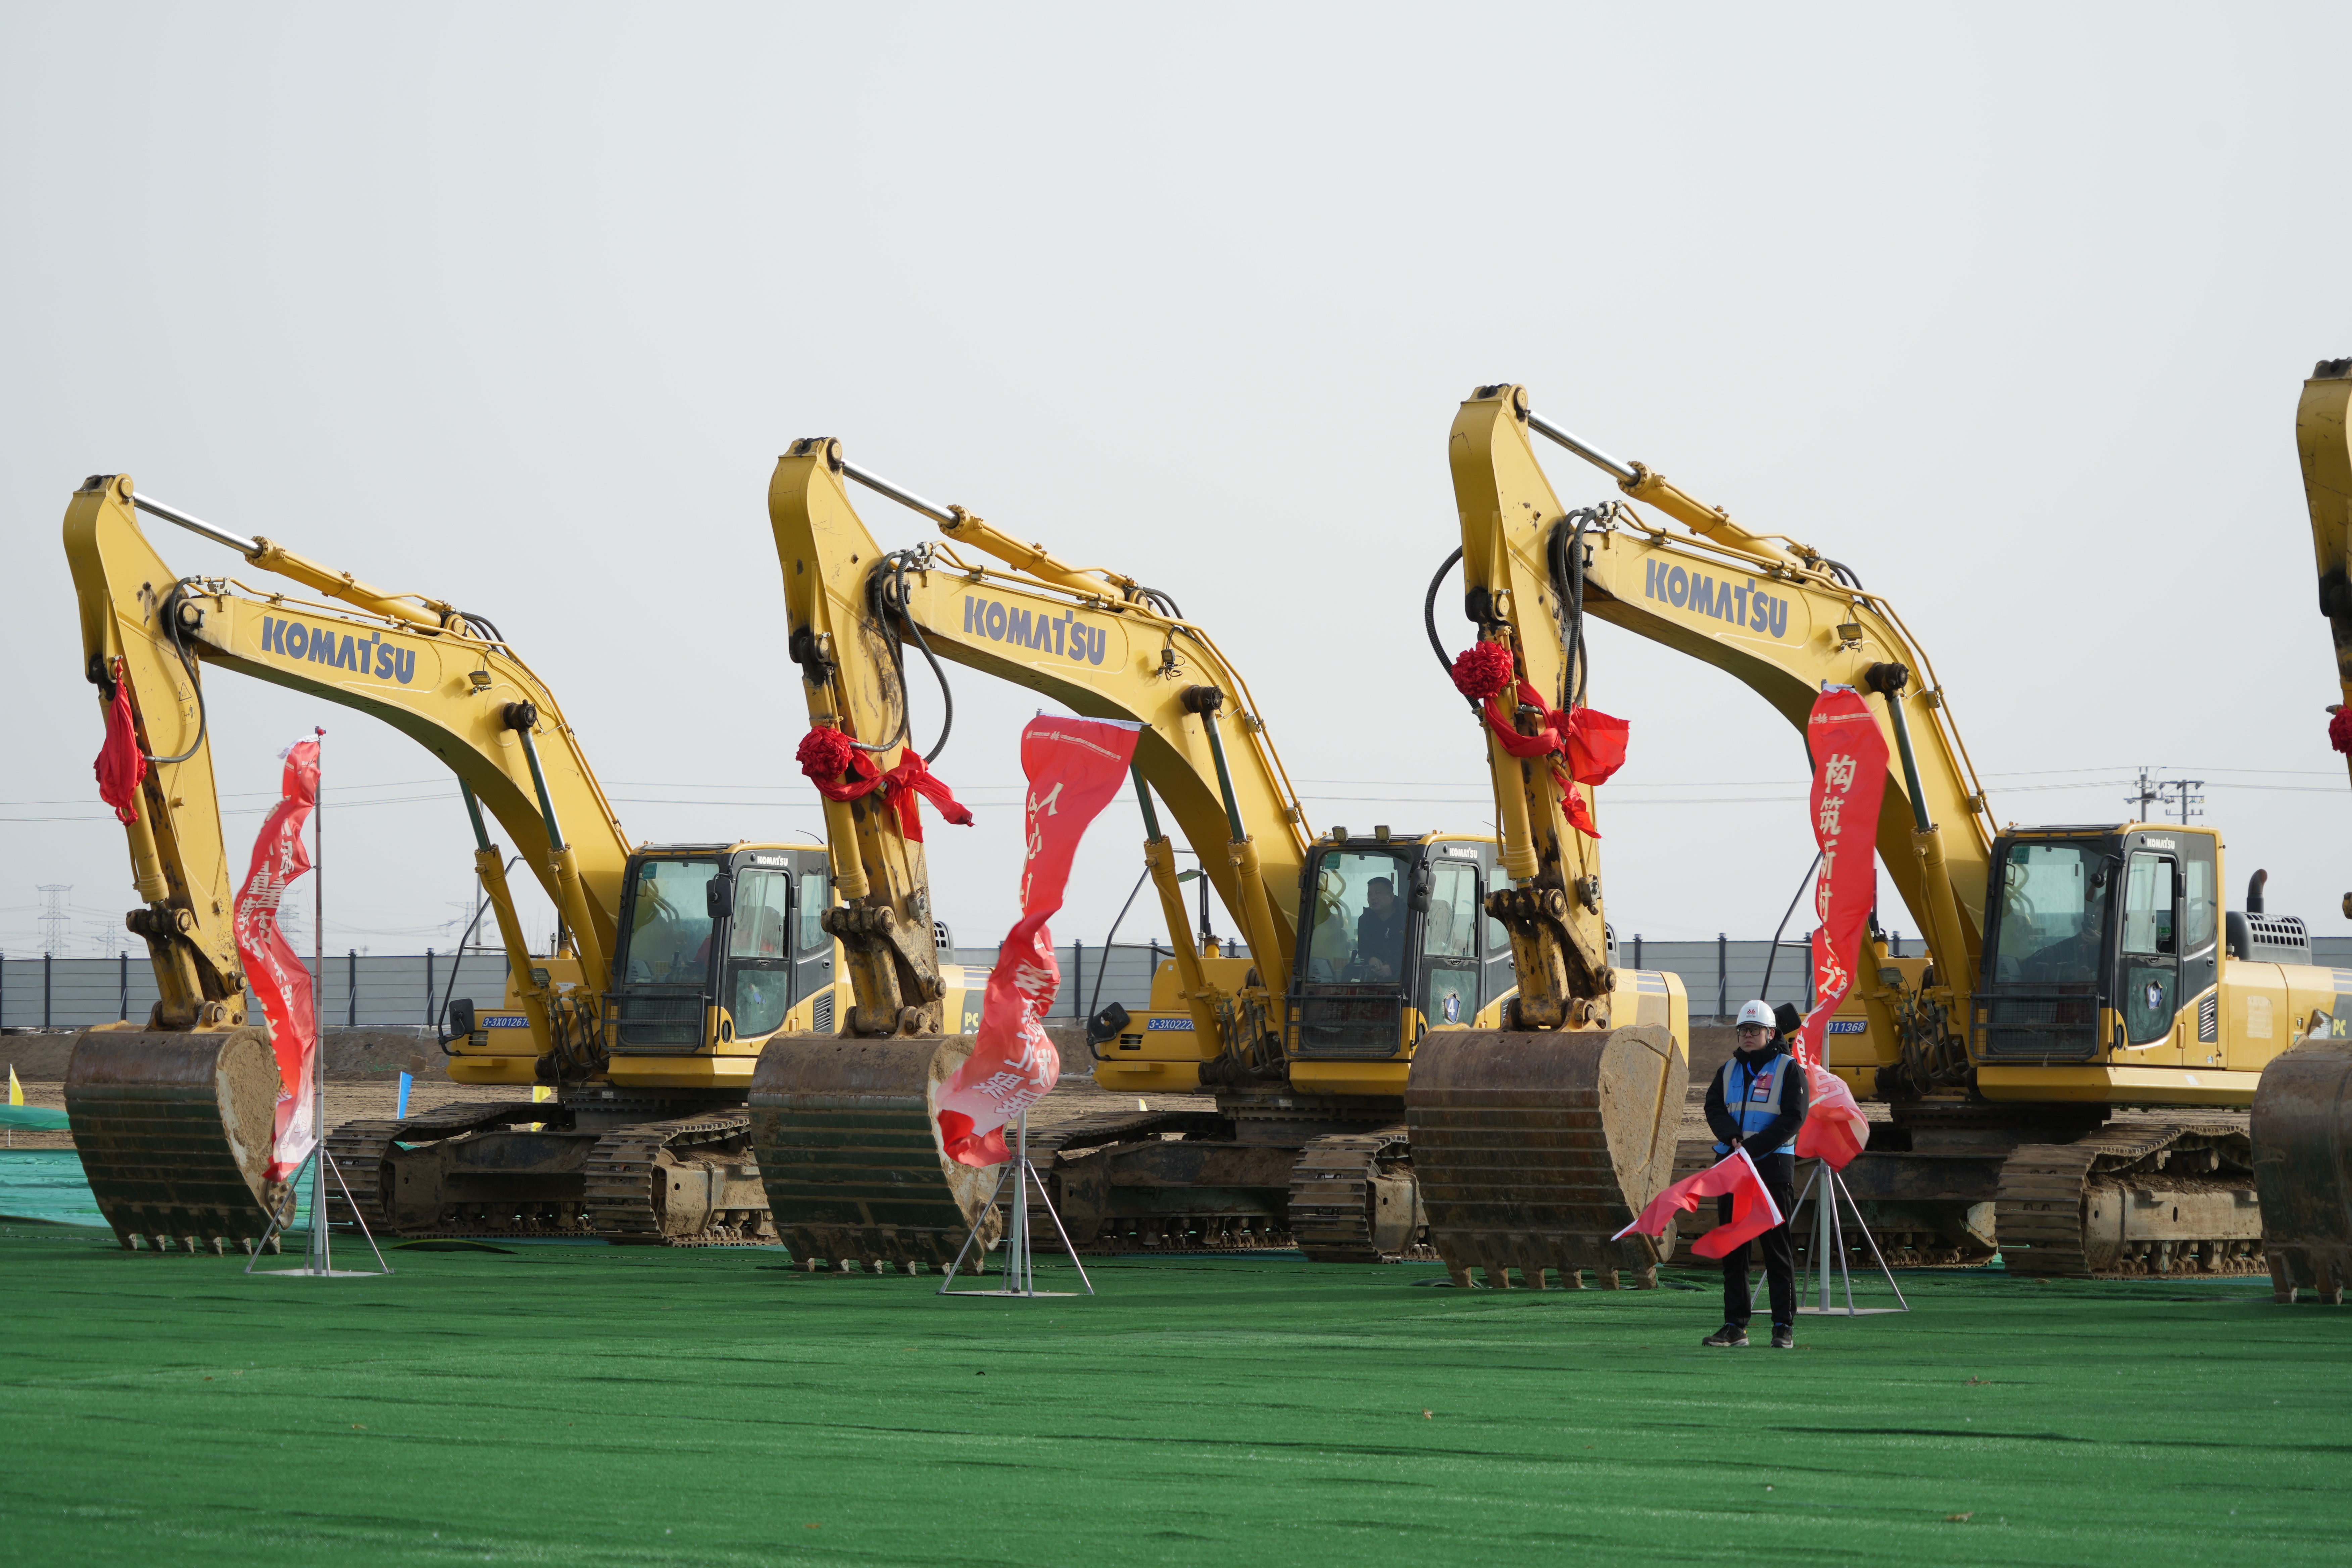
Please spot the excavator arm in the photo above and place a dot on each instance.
(1095, 641)
(2323, 440)
(1777, 616)
(417, 664)
(174, 1121)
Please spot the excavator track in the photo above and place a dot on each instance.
(362, 1152)
(1086, 1149)
(174, 1131)
(1533, 1150)
(1353, 1200)
(2132, 1199)
(634, 1195)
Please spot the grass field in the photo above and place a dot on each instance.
(606, 1406)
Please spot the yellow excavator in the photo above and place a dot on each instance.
(2069, 1064)
(676, 963)
(1359, 947)
(2303, 1110)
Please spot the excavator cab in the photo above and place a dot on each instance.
(721, 943)
(1394, 945)
(2097, 938)
(719, 947)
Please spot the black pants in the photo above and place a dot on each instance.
(1780, 1173)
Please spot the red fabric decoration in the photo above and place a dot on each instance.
(120, 764)
(2339, 729)
(1483, 669)
(1588, 743)
(827, 753)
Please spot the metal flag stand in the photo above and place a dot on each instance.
(319, 1262)
(1020, 1270)
(1828, 1238)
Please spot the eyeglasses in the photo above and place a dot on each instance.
(1753, 1029)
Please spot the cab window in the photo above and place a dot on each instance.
(759, 985)
(2151, 962)
(816, 894)
(1449, 937)
(1357, 922)
(669, 936)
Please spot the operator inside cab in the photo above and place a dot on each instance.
(1756, 1102)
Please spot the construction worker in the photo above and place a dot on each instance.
(1756, 1102)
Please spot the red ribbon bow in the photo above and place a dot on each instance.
(825, 754)
(1589, 743)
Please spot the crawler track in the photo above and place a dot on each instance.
(2131, 1200)
(1353, 1200)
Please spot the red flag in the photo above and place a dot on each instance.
(120, 763)
(1849, 782)
(273, 974)
(1753, 1212)
(1074, 767)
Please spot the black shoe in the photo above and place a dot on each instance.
(1731, 1336)
(1784, 1338)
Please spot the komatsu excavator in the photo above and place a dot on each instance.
(1359, 947)
(2069, 1064)
(681, 961)
(2303, 1110)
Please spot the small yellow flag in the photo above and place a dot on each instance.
(540, 1092)
(15, 1090)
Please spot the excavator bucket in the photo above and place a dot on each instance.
(2303, 1168)
(1533, 1149)
(174, 1131)
(846, 1132)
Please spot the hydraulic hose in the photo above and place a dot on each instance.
(1429, 611)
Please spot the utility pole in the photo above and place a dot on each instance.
(2181, 800)
(2143, 795)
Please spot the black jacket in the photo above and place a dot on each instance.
(1781, 1131)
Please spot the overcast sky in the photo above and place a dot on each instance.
(2007, 308)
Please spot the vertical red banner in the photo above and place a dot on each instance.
(1074, 766)
(274, 976)
(1849, 783)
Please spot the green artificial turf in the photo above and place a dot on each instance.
(618, 1406)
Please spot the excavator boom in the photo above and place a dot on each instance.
(2049, 1000)
(173, 1120)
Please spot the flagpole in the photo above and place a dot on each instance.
(321, 1249)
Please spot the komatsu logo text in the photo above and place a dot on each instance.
(1747, 606)
(370, 655)
(1065, 633)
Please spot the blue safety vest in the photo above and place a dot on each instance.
(1752, 1094)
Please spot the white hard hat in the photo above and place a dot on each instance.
(1755, 1013)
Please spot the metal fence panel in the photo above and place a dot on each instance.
(389, 989)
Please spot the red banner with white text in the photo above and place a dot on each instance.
(1074, 766)
(274, 977)
(1849, 782)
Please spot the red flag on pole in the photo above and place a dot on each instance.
(1753, 1212)
(273, 973)
(1074, 767)
(1849, 782)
